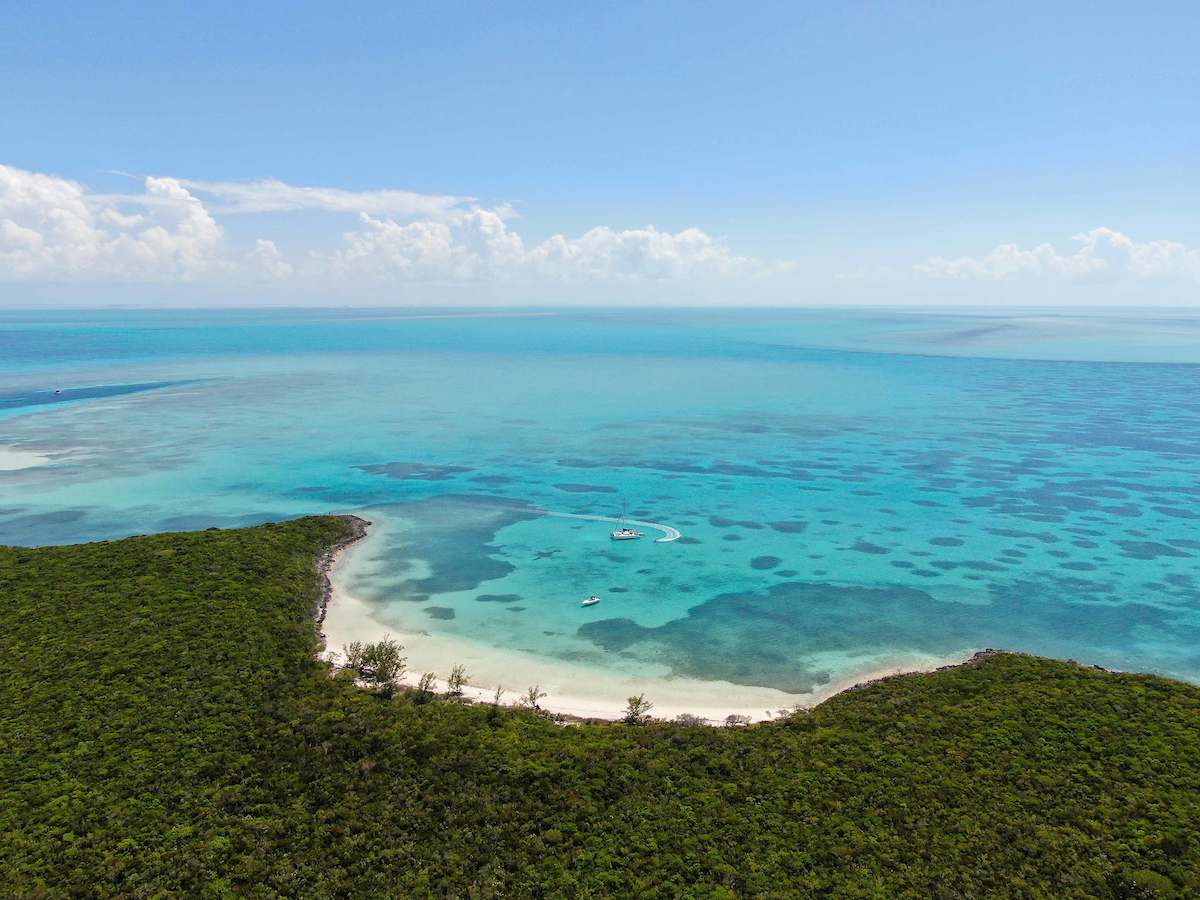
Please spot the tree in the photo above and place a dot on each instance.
(690, 720)
(385, 661)
(380, 663)
(457, 681)
(354, 654)
(426, 684)
(637, 712)
(735, 720)
(530, 699)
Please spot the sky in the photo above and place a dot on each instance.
(534, 153)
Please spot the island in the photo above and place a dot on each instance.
(169, 725)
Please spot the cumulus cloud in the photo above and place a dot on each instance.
(266, 260)
(471, 245)
(478, 244)
(638, 253)
(52, 228)
(55, 229)
(1101, 254)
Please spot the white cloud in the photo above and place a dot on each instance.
(270, 195)
(52, 229)
(267, 261)
(55, 229)
(468, 246)
(637, 253)
(479, 245)
(1102, 254)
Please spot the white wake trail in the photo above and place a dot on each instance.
(669, 533)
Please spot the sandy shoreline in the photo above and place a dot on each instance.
(358, 531)
(572, 690)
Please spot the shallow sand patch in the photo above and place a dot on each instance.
(14, 458)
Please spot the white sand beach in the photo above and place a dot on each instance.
(578, 690)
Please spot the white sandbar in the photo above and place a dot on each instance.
(12, 459)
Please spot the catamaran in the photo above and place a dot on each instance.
(625, 533)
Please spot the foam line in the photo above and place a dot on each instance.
(669, 533)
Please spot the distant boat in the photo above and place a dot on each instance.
(590, 601)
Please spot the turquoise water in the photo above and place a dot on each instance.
(850, 485)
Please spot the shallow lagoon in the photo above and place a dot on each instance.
(854, 488)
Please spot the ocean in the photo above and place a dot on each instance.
(857, 491)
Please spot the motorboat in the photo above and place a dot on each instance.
(590, 601)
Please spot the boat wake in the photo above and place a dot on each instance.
(669, 533)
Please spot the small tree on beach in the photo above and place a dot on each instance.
(380, 662)
(426, 683)
(530, 699)
(690, 720)
(384, 660)
(736, 720)
(457, 681)
(637, 712)
(353, 652)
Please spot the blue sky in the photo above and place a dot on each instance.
(768, 152)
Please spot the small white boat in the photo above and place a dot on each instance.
(590, 601)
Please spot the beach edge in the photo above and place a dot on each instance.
(356, 530)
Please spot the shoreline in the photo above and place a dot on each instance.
(576, 693)
(327, 561)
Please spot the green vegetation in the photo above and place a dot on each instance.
(165, 729)
(637, 711)
(456, 681)
(379, 663)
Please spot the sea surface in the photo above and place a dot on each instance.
(852, 487)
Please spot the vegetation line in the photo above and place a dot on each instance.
(356, 531)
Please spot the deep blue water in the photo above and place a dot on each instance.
(852, 486)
